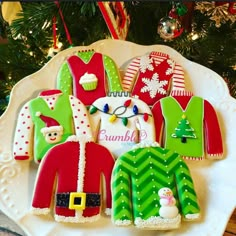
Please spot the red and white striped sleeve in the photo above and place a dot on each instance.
(131, 74)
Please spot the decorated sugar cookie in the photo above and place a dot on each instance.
(150, 76)
(168, 209)
(75, 168)
(120, 121)
(53, 131)
(46, 121)
(89, 75)
(191, 126)
(151, 188)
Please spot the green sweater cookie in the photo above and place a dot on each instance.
(152, 187)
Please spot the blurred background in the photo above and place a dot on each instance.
(31, 33)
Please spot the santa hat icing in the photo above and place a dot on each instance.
(51, 124)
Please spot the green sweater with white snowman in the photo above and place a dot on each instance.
(152, 187)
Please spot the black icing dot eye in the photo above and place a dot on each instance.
(49, 134)
(55, 134)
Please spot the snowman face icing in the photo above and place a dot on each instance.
(165, 192)
(53, 137)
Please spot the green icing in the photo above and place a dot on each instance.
(64, 79)
(114, 83)
(85, 56)
(65, 120)
(172, 113)
(184, 130)
(139, 174)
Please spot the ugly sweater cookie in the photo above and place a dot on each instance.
(89, 75)
(151, 76)
(46, 121)
(188, 125)
(120, 121)
(78, 166)
(151, 188)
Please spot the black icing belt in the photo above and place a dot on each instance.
(92, 200)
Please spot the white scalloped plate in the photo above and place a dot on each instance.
(214, 180)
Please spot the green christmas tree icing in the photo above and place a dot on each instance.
(184, 130)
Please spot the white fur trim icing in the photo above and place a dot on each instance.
(51, 129)
(40, 211)
(82, 138)
(81, 167)
(122, 222)
(80, 219)
(192, 216)
(157, 222)
(146, 144)
(108, 211)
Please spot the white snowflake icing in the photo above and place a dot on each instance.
(146, 64)
(172, 64)
(154, 86)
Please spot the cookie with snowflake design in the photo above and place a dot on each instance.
(152, 76)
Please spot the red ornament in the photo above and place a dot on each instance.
(145, 117)
(127, 103)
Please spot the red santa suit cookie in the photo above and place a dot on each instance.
(78, 165)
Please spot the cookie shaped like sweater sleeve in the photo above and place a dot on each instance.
(22, 144)
(80, 118)
(187, 196)
(121, 201)
(214, 144)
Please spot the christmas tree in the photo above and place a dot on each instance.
(205, 33)
(184, 130)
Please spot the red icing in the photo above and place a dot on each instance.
(50, 92)
(78, 68)
(139, 84)
(20, 158)
(65, 166)
(213, 138)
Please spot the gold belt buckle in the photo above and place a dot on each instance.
(77, 201)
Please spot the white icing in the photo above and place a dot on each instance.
(76, 219)
(40, 211)
(22, 143)
(146, 144)
(82, 138)
(81, 120)
(157, 222)
(81, 167)
(192, 216)
(122, 222)
(88, 78)
(108, 211)
(116, 136)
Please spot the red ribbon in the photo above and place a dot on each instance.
(54, 30)
(64, 23)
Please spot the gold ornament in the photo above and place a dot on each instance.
(10, 11)
(219, 13)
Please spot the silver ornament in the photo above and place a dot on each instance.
(169, 28)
